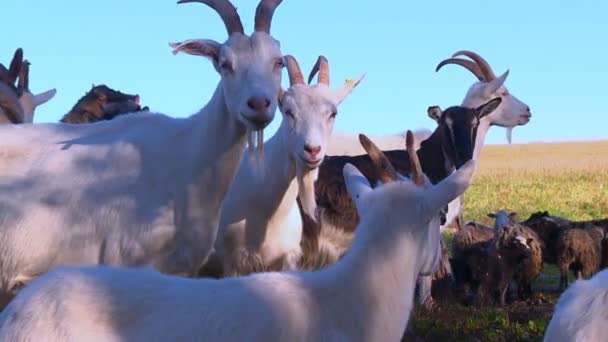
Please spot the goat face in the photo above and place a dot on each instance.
(458, 126)
(109, 103)
(309, 112)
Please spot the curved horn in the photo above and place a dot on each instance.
(226, 11)
(263, 14)
(483, 64)
(322, 67)
(9, 104)
(471, 66)
(293, 70)
(384, 168)
(15, 67)
(23, 84)
(417, 175)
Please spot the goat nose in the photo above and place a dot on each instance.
(312, 150)
(258, 103)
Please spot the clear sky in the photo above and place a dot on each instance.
(557, 53)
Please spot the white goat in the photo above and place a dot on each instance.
(26, 100)
(366, 296)
(142, 189)
(260, 226)
(581, 313)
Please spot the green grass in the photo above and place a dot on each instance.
(566, 179)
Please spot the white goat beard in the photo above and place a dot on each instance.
(255, 146)
(306, 190)
(509, 134)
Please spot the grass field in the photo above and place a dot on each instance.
(567, 179)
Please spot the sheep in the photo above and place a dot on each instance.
(258, 230)
(579, 250)
(490, 265)
(581, 312)
(530, 268)
(511, 113)
(449, 147)
(102, 103)
(145, 190)
(27, 100)
(548, 228)
(357, 299)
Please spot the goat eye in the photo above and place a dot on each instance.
(225, 65)
(290, 113)
(333, 115)
(278, 64)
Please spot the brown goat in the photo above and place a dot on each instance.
(102, 103)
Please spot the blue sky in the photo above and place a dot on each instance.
(557, 53)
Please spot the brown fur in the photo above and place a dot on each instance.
(579, 250)
(548, 228)
(102, 103)
(530, 268)
(469, 236)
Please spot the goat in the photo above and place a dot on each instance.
(258, 230)
(490, 265)
(28, 102)
(581, 312)
(145, 190)
(450, 146)
(102, 103)
(511, 113)
(357, 299)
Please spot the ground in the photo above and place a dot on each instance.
(566, 179)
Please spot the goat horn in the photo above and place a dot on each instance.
(293, 70)
(385, 170)
(16, 63)
(9, 104)
(322, 67)
(483, 64)
(417, 175)
(23, 84)
(471, 66)
(226, 11)
(263, 14)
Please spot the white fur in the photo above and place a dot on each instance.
(260, 225)
(356, 299)
(29, 102)
(137, 190)
(581, 313)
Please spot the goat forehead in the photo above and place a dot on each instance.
(258, 45)
(308, 101)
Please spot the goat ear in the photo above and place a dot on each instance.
(451, 187)
(491, 215)
(495, 84)
(488, 107)
(43, 98)
(357, 185)
(341, 93)
(435, 113)
(198, 47)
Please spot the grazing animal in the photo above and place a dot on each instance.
(145, 190)
(489, 266)
(258, 230)
(366, 296)
(18, 72)
(581, 312)
(579, 250)
(530, 268)
(548, 228)
(102, 103)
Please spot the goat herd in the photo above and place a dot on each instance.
(107, 217)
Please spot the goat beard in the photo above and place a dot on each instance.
(255, 146)
(306, 190)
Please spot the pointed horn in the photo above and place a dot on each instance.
(226, 11)
(293, 70)
(322, 67)
(23, 84)
(5, 78)
(471, 66)
(263, 14)
(385, 170)
(15, 67)
(483, 64)
(417, 175)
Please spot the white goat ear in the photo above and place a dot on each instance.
(342, 92)
(198, 47)
(357, 185)
(453, 186)
(43, 98)
(492, 86)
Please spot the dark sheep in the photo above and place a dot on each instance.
(102, 103)
(579, 249)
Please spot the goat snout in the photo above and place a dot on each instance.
(312, 150)
(259, 103)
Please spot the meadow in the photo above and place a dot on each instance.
(567, 179)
